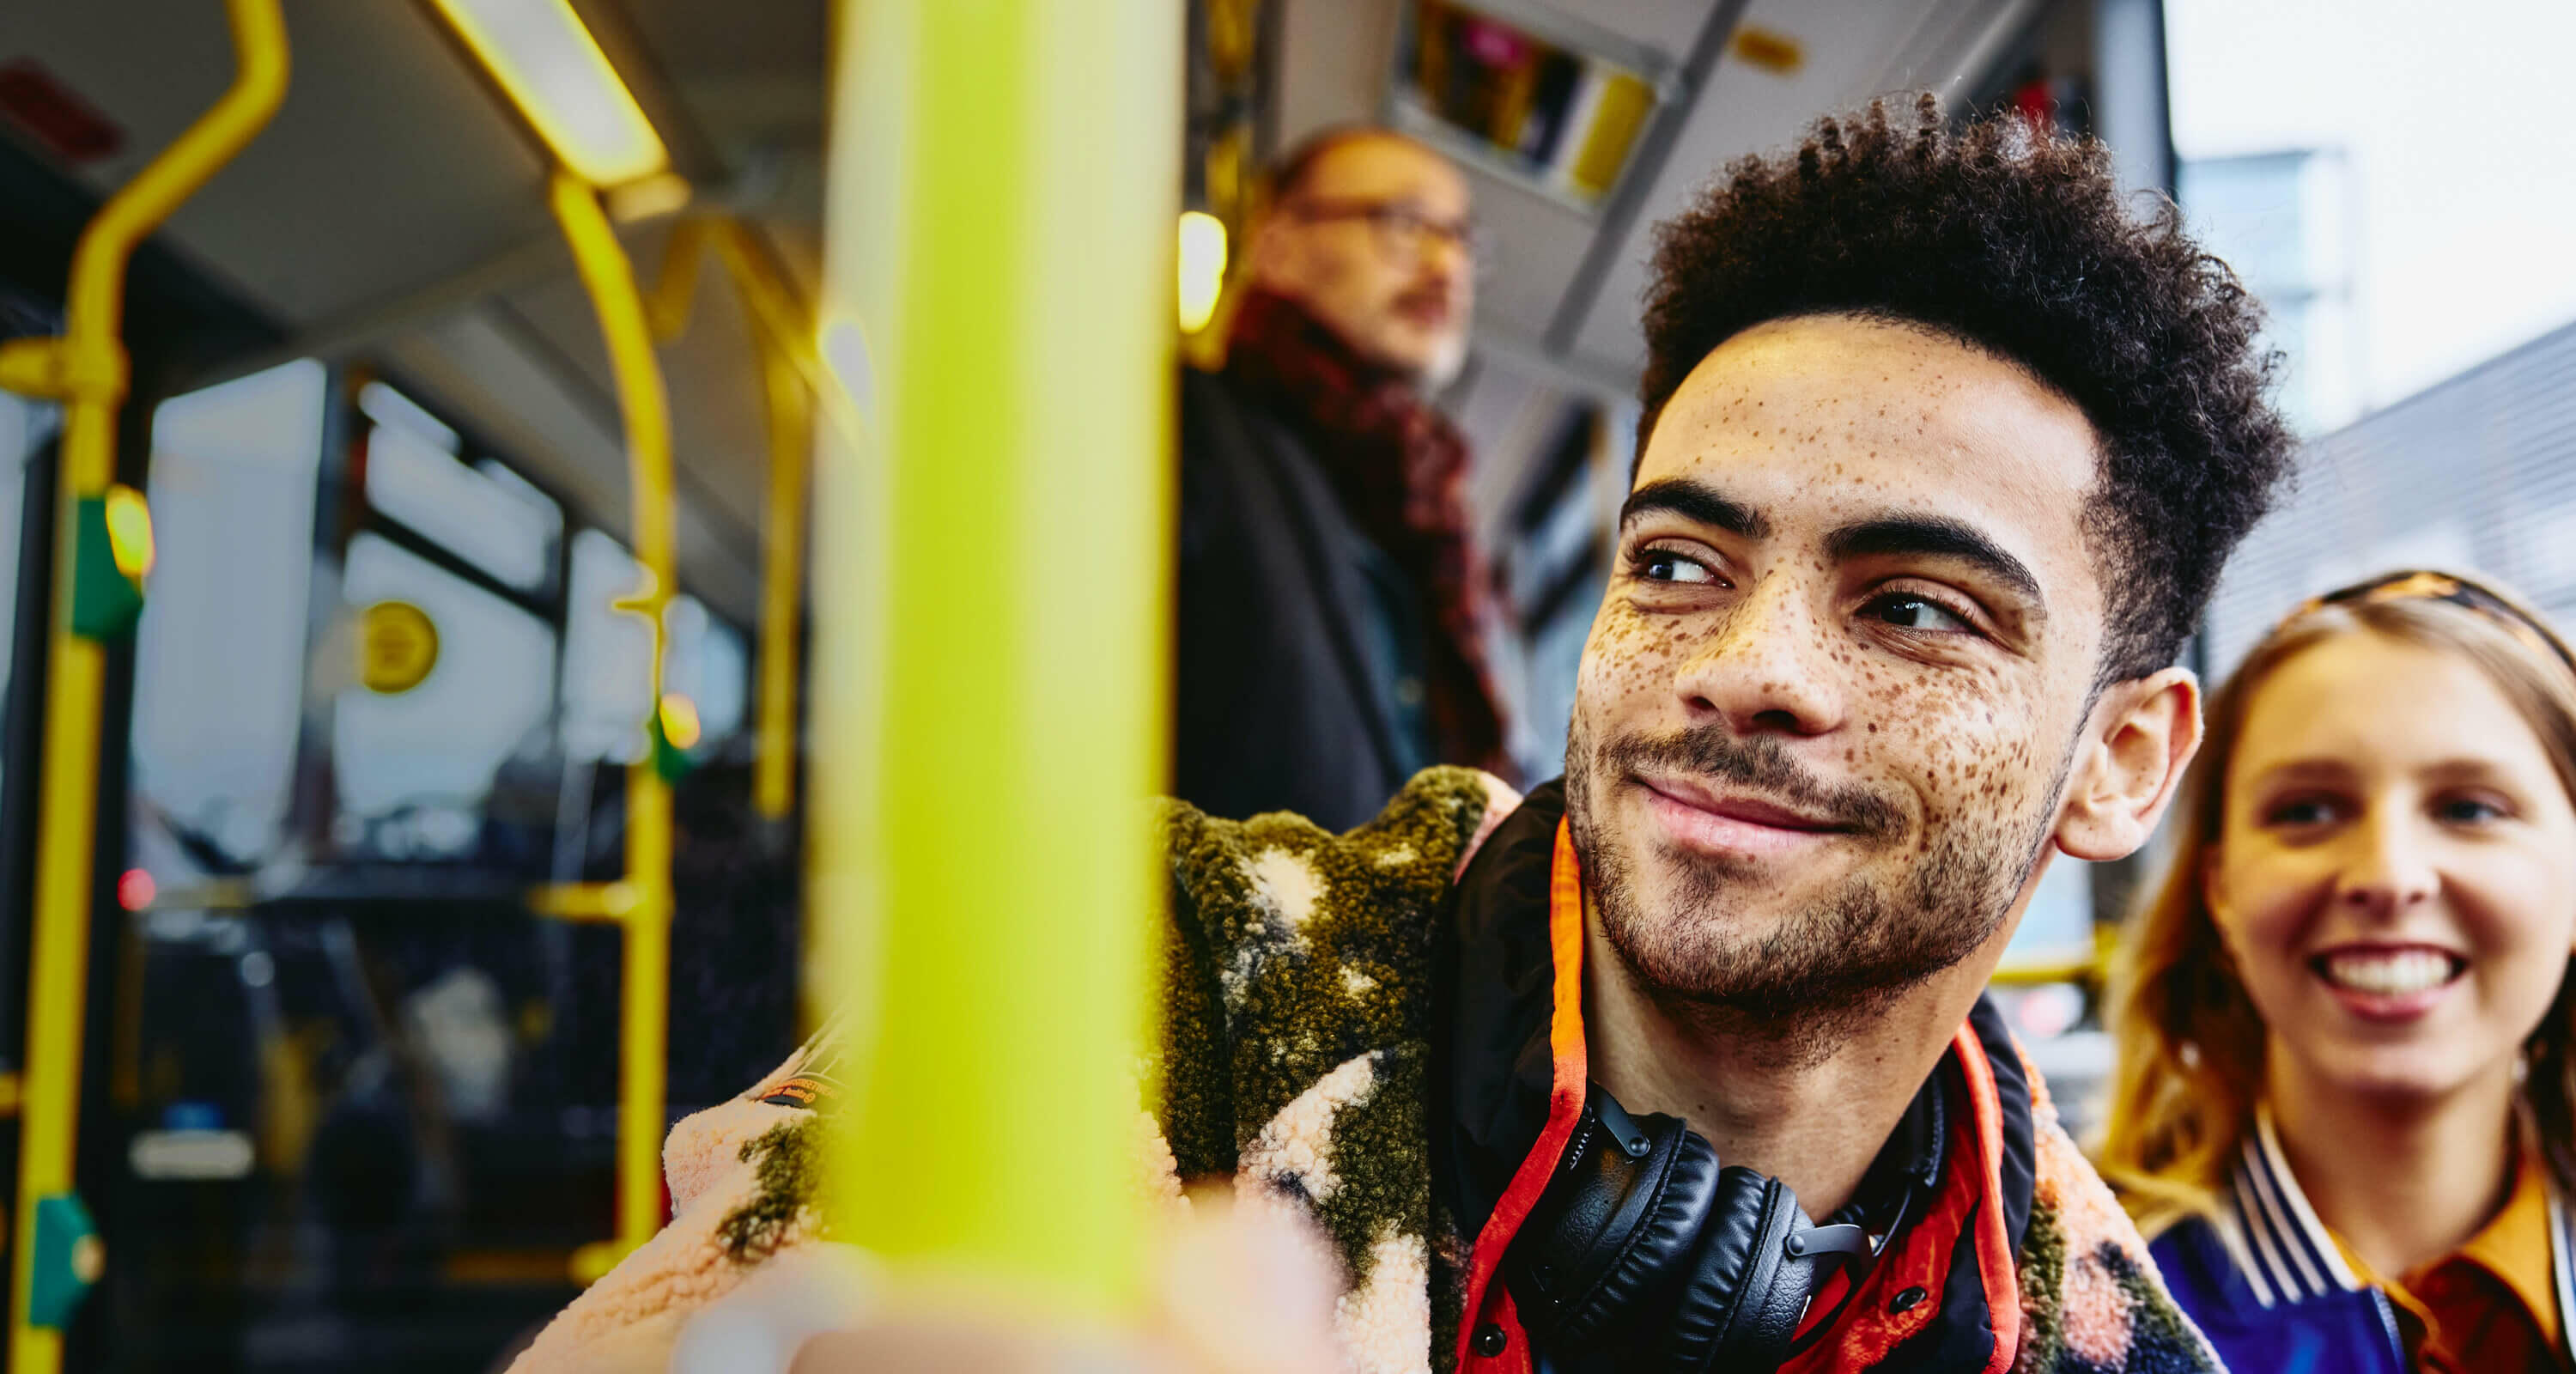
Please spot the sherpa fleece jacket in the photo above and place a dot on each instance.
(1298, 1031)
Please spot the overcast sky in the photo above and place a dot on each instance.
(2455, 120)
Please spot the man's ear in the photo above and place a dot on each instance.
(2142, 736)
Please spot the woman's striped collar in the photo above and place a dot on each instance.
(2284, 1251)
(2288, 1256)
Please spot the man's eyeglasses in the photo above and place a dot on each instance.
(1400, 229)
(2420, 584)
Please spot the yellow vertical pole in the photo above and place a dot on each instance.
(89, 366)
(991, 640)
(645, 990)
(782, 572)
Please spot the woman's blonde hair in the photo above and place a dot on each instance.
(2191, 1045)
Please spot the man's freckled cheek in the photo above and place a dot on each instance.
(1627, 656)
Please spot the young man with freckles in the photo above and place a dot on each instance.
(1683, 1063)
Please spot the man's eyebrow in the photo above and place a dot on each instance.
(1696, 502)
(1941, 537)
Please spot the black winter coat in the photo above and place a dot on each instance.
(1300, 643)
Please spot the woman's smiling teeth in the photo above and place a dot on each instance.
(2389, 972)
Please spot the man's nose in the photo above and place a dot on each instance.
(1769, 668)
(1444, 258)
(2389, 870)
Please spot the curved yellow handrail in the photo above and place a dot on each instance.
(645, 989)
(782, 332)
(88, 370)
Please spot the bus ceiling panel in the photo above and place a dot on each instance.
(487, 365)
(1837, 53)
(719, 431)
(1533, 246)
(1334, 59)
(388, 166)
(751, 75)
(1334, 55)
(1665, 26)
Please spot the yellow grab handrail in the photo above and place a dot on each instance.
(781, 330)
(791, 441)
(991, 646)
(644, 1001)
(87, 367)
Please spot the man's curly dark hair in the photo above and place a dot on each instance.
(2018, 242)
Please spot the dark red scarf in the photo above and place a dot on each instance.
(1400, 469)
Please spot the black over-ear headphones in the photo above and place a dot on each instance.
(1643, 1242)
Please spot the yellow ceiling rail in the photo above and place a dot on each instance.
(778, 315)
(781, 328)
(991, 639)
(86, 367)
(645, 989)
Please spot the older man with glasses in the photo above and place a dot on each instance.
(1332, 612)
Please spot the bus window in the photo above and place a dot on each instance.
(705, 661)
(220, 651)
(487, 523)
(416, 752)
(25, 426)
(393, 410)
(549, 513)
(606, 691)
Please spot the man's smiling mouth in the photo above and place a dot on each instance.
(1733, 821)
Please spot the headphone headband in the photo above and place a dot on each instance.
(1641, 1231)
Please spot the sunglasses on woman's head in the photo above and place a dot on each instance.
(2421, 584)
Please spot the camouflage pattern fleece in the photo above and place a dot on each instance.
(1297, 1034)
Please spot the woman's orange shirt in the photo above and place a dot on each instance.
(2488, 1307)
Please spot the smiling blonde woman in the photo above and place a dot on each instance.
(2343, 1109)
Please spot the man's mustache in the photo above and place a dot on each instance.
(1711, 754)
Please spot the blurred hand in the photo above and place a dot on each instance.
(1235, 1293)
(1246, 1292)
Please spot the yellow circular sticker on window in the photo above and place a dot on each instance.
(397, 646)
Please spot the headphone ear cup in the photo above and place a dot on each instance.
(1736, 1308)
(1683, 1172)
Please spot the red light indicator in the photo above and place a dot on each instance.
(134, 889)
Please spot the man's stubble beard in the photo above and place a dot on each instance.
(1829, 966)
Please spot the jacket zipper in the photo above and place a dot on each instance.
(2388, 1326)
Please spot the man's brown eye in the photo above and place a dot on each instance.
(1663, 565)
(1918, 613)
